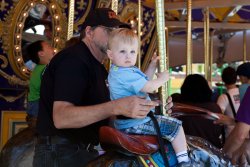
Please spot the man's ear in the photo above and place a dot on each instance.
(110, 54)
(88, 31)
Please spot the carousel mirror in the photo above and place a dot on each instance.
(30, 21)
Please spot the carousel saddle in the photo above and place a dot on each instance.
(111, 138)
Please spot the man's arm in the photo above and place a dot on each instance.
(66, 115)
(236, 138)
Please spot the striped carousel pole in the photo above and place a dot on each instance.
(189, 47)
(114, 6)
(139, 33)
(71, 19)
(163, 65)
(206, 45)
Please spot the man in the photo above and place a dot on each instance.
(75, 100)
(229, 102)
(242, 128)
(236, 145)
(243, 71)
(40, 52)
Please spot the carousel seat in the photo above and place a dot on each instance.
(111, 138)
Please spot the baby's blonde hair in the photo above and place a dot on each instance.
(122, 34)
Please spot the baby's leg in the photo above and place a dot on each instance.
(172, 130)
(180, 146)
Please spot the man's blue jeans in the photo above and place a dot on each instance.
(62, 155)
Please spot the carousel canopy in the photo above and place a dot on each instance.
(228, 20)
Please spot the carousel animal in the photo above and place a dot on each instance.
(123, 149)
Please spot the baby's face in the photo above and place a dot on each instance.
(125, 53)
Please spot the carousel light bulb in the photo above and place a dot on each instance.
(52, 6)
(23, 69)
(55, 50)
(18, 36)
(56, 17)
(135, 31)
(17, 47)
(141, 33)
(58, 29)
(24, 14)
(31, 4)
(20, 25)
(132, 22)
(18, 59)
(57, 40)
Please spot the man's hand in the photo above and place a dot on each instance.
(133, 106)
(242, 155)
(169, 105)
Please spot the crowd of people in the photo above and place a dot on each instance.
(72, 95)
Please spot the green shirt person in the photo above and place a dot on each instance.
(40, 52)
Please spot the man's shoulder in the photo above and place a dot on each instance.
(78, 52)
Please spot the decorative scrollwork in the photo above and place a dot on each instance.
(13, 80)
(1, 28)
(13, 29)
(11, 99)
(81, 20)
(5, 61)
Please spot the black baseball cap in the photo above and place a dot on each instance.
(103, 17)
(244, 70)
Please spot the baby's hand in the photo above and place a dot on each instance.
(164, 76)
(155, 59)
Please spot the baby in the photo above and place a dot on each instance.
(126, 80)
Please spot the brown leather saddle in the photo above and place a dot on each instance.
(111, 138)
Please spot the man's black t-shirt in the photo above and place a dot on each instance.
(75, 76)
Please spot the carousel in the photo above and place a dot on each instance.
(209, 32)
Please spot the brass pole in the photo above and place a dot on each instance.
(244, 46)
(211, 55)
(139, 34)
(206, 44)
(114, 6)
(160, 27)
(167, 58)
(71, 19)
(189, 38)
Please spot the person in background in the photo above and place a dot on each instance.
(125, 79)
(229, 102)
(75, 101)
(39, 52)
(195, 91)
(243, 71)
(237, 145)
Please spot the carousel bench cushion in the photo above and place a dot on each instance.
(137, 144)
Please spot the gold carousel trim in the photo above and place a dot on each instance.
(13, 29)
